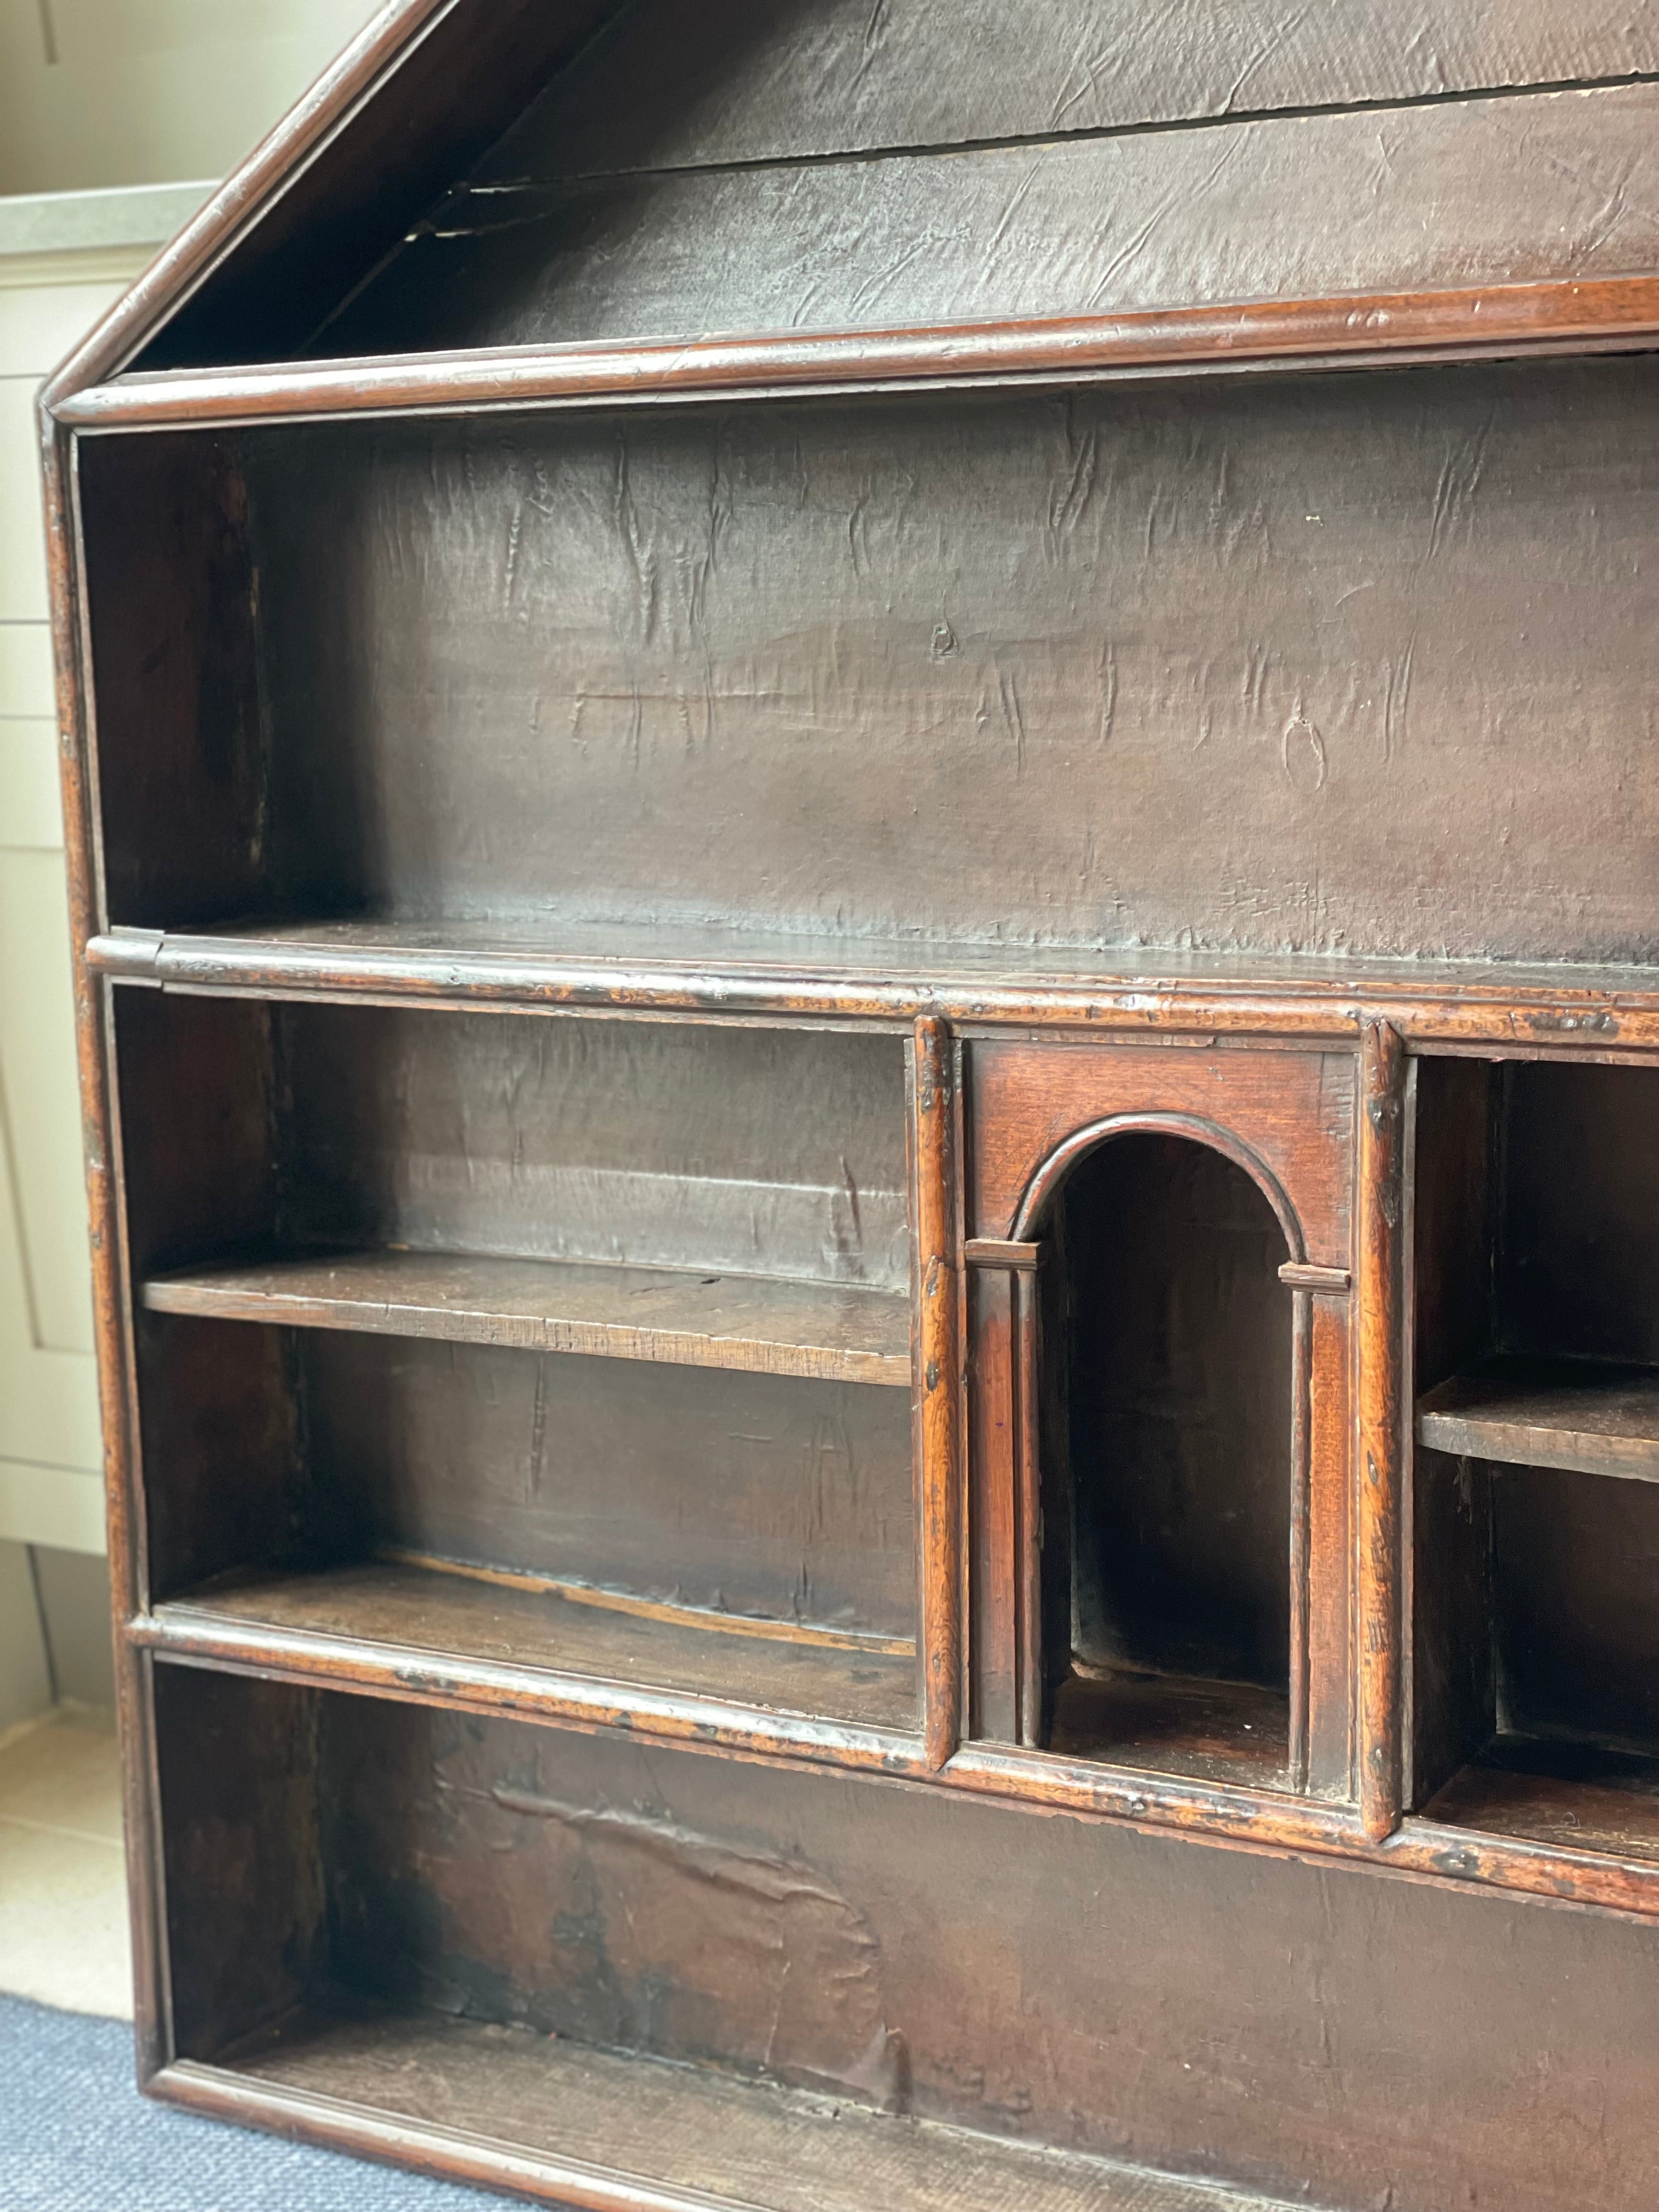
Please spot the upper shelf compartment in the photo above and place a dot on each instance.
(1342, 665)
(823, 169)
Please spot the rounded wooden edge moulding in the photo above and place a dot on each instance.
(1357, 330)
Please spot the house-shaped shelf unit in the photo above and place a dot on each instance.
(865, 830)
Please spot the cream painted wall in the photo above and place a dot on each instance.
(130, 92)
(93, 93)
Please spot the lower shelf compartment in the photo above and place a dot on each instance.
(541, 2115)
(1206, 1731)
(1577, 1795)
(435, 1608)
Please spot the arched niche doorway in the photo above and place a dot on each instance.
(1169, 1408)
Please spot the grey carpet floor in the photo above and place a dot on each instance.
(77, 2136)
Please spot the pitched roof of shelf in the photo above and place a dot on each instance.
(511, 202)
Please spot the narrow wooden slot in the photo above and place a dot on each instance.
(1580, 1416)
(1207, 1731)
(416, 1603)
(1579, 1796)
(839, 1333)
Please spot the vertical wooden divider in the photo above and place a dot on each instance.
(938, 1384)
(1301, 1508)
(1377, 1520)
(1028, 1509)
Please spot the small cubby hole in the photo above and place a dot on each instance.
(1166, 1446)
(1534, 1676)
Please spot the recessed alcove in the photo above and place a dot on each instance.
(1167, 1456)
(1535, 1704)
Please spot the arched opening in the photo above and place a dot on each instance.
(1167, 1448)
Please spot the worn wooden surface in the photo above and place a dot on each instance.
(764, 82)
(1574, 1559)
(935, 1161)
(1575, 1010)
(1453, 1146)
(1382, 1441)
(1267, 709)
(1213, 1729)
(1289, 208)
(753, 1493)
(1292, 767)
(1293, 1112)
(515, 1875)
(1572, 1414)
(1374, 329)
(766, 1152)
(596, 1635)
(452, 2095)
(1572, 1794)
(764, 1325)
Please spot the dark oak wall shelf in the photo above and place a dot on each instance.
(837, 1331)
(869, 1012)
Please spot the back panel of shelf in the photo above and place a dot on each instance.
(1338, 664)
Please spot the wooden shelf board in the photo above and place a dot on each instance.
(506, 2107)
(438, 1610)
(1225, 1732)
(835, 1331)
(1357, 329)
(669, 966)
(1572, 1796)
(1573, 1415)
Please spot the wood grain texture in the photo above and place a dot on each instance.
(1570, 1793)
(1571, 1414)
(938, 1386)
(1454, 1146)
(994, 1445)
(1294, 1112)
(512, 1875)
(1295, 758)
(738, 1152)
(1452, 1007)
(1231, 1733)
(1574, 1559)
(764, 82)
(504, 2109)
(1379, 1239)
(1558, 186)
(763, 1494)
(433, 1610)
(750, 1324)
